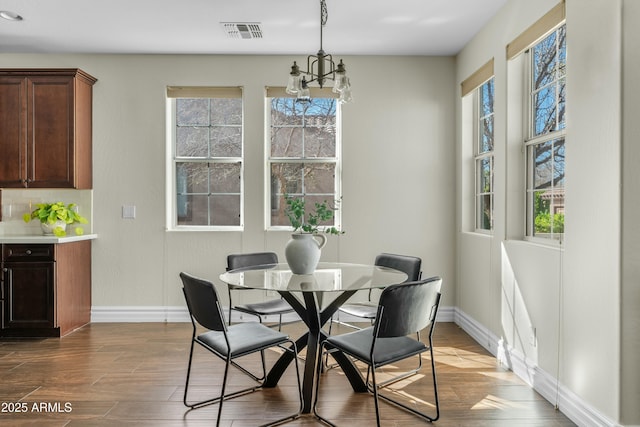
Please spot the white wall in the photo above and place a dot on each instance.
(571, 296)
(630, 295)
(398, 170)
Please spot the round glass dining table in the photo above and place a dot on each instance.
(333, 283)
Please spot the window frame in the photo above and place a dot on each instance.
(479, 156)
(531, 141)
(277, 92)
(173, 93)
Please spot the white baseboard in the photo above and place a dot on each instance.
(134, 314)
(567, 402)
(576, 409)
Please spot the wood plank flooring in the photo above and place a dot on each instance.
(132, 374)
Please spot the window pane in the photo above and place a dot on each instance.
(225, 177)
(226, 142)
(549, 164)
(192, 142)
(558, 163)
(226, 111)
(562, 51)
(278, 205)
(545, 110)
(286, 112)
(486, 98)
(485, 180)
(319, 178)
(485, 221)
(549, 178)
(286, 178)
(192, 112)
(543, 168)
(549, 214)
(486, 134)
(195, 203)
(549, 68)
(193, 210)
(320, 141)
(544, 61)
(286, 142)
(561, 104)
(225, 209)
(192, 178)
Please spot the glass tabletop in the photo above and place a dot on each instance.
(328, 277)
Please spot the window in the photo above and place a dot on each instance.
(477, 92)
(484, 156)
(206, 158)
(545, 141)
(303, 153)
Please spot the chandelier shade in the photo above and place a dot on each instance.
(320, 69)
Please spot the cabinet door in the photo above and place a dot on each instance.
(13, 131)
(29, 295)
(50, 134)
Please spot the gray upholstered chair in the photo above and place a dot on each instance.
(228, 342)
(276, 306)
(403, 309)
(367, 310)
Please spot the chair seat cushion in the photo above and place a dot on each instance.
(243, 338)
(274, 306)
(363, 310)
(388, 350)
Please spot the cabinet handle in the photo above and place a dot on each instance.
(28, 252)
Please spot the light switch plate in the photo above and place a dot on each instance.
(128, 212)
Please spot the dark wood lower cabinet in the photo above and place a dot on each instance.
(46, 288)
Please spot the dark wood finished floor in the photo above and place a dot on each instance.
(133, 375)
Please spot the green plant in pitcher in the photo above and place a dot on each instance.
(310, 221)
(50, 213)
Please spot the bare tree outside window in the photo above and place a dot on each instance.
(303, 153)
(208, 161)
(484, 156)
(546, 142)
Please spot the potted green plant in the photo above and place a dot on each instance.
(303, 250)
(54, 218)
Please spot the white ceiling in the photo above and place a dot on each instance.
(354, 27)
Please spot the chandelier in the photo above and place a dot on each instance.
(320, 68)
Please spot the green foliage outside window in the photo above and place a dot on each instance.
(545, 222)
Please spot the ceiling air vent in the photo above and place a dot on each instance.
(242, 30)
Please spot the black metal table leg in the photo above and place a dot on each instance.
(314, 319)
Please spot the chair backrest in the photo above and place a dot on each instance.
(407, 308)
(202, 302)
(255, 259)
(408, 264)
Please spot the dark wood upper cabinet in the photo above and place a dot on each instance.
(46, 128)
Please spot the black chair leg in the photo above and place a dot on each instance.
(374, 389)
(186, 385)
(375, 395)
(319, 368)
(224, 386)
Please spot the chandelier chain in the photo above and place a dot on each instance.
(324, 14)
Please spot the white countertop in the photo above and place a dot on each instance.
(41, 238)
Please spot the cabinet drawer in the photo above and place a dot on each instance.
(25, 253)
